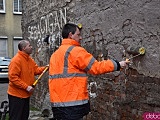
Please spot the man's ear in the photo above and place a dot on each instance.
(24, 48)
(70, 35)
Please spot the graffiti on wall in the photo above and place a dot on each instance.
(92, 89)
(49, 24)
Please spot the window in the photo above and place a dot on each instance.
(2, 6)
(3, 46)
(15, 43)
(17, 9)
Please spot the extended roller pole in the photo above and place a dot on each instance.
(40, 76)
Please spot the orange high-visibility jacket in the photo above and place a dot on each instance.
(22, 70)
(68, 70)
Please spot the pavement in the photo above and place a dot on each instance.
(3, 92)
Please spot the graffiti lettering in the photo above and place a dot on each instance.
(91, 85)
(50, 24)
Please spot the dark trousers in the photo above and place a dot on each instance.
(18, 108)
(71, 112)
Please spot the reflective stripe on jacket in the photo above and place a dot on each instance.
(68, 70)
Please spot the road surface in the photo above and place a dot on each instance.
(3, 92)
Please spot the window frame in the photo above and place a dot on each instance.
(4, 9)
(5, 38)
(14, 12)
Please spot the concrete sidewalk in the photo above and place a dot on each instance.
(3, 92)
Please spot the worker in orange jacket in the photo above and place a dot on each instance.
(68, 70)
(22, 70)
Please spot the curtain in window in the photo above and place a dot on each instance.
(1, 5)
(17, 5)
(20, 5)
(3, 47)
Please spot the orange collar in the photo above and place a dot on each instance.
(70, 42)
(26, 56)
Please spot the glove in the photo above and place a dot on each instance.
(30, 89)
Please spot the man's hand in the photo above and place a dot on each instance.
(30, 89)
(123, 64)
(47, 65)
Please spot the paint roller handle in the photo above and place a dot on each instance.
(40, 76)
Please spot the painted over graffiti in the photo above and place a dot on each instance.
(49, 24)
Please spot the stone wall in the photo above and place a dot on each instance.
(109, 28)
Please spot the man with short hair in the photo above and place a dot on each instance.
(22, 70)
(68, 70)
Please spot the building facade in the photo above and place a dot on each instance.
(10, 26)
